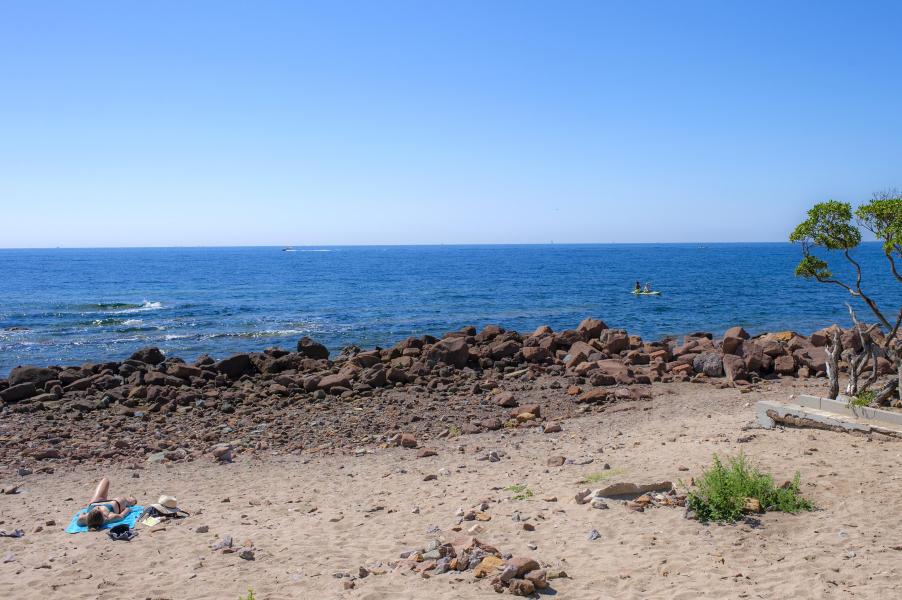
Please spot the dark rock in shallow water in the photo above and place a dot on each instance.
(18, 392)
(150, 356)
(235, 366)
(312, 349)
(204, 360)
(27, 374)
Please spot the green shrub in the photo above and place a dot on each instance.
(721, 492)
(521, 492)
(250, 596)
(863, 399)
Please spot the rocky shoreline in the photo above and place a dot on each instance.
(158, 408)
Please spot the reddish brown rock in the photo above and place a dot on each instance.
(595, 395)
(614, 341)
(611, 372)
(735, 368)
(521, 587)
(538, 577)
(312, 349)
(451, 351)
(579, 353)
(337, 380)
(504, 349)
(785, 365)
(533, 409)
(523, 564)
(737, 332)
(591, 328)
(535, 354)
(732, 345)
(505, 400)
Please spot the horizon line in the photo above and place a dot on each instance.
(402, 245)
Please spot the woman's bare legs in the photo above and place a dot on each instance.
(103, 488)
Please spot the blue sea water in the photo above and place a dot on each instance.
(68, 306)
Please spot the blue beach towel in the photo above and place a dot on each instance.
(130, 519)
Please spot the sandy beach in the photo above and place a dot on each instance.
(450, 300)
(313, 519)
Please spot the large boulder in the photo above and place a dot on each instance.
(732, 345)
(161, 379)
(737, 332)
(851, 340)
(611, 372)
(488, 333)
(755, 358)
(28, 374)
(709, 363)
(312, 349)
(504, 349)
(535, 354)
(18, 392)
(183, 371)
(235, 366)
(366, 360)
(822, 337)
(614, 341)
(579, 353)
(814, 358)
(150, 356)
(451, 351)
(785, 365)
(591, 328)
(567, 338)
(337, 380)
(735, 368)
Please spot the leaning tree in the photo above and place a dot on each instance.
(834, 227)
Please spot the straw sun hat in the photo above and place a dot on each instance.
(167, 505)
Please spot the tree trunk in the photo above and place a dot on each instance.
(883, 397)
(834, 349)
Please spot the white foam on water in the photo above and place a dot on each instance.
(145, 306)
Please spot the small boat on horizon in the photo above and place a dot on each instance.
(289, 249)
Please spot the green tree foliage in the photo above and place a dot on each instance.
(834, 226)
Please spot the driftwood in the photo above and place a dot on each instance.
(859, 362)
(834, 350)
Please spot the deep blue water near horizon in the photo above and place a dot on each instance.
(69, 306)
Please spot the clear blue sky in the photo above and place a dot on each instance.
(233, 123)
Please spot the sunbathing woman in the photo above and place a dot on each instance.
(102, 510)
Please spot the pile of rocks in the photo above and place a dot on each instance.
(640, 497)
(519, 575)
(173, 410)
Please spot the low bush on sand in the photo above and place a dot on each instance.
(724, 493)
(520, 491)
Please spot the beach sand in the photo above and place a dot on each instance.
(310, 517)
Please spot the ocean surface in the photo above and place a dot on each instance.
(69, 306)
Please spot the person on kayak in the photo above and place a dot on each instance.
(638, 287)
(647, 287)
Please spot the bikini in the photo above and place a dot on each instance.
(110, 504)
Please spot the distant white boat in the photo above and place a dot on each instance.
(289, 249)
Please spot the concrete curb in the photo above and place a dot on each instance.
(832, 415)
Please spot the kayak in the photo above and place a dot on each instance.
(646, 293)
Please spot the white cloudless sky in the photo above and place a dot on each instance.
(234, 123)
